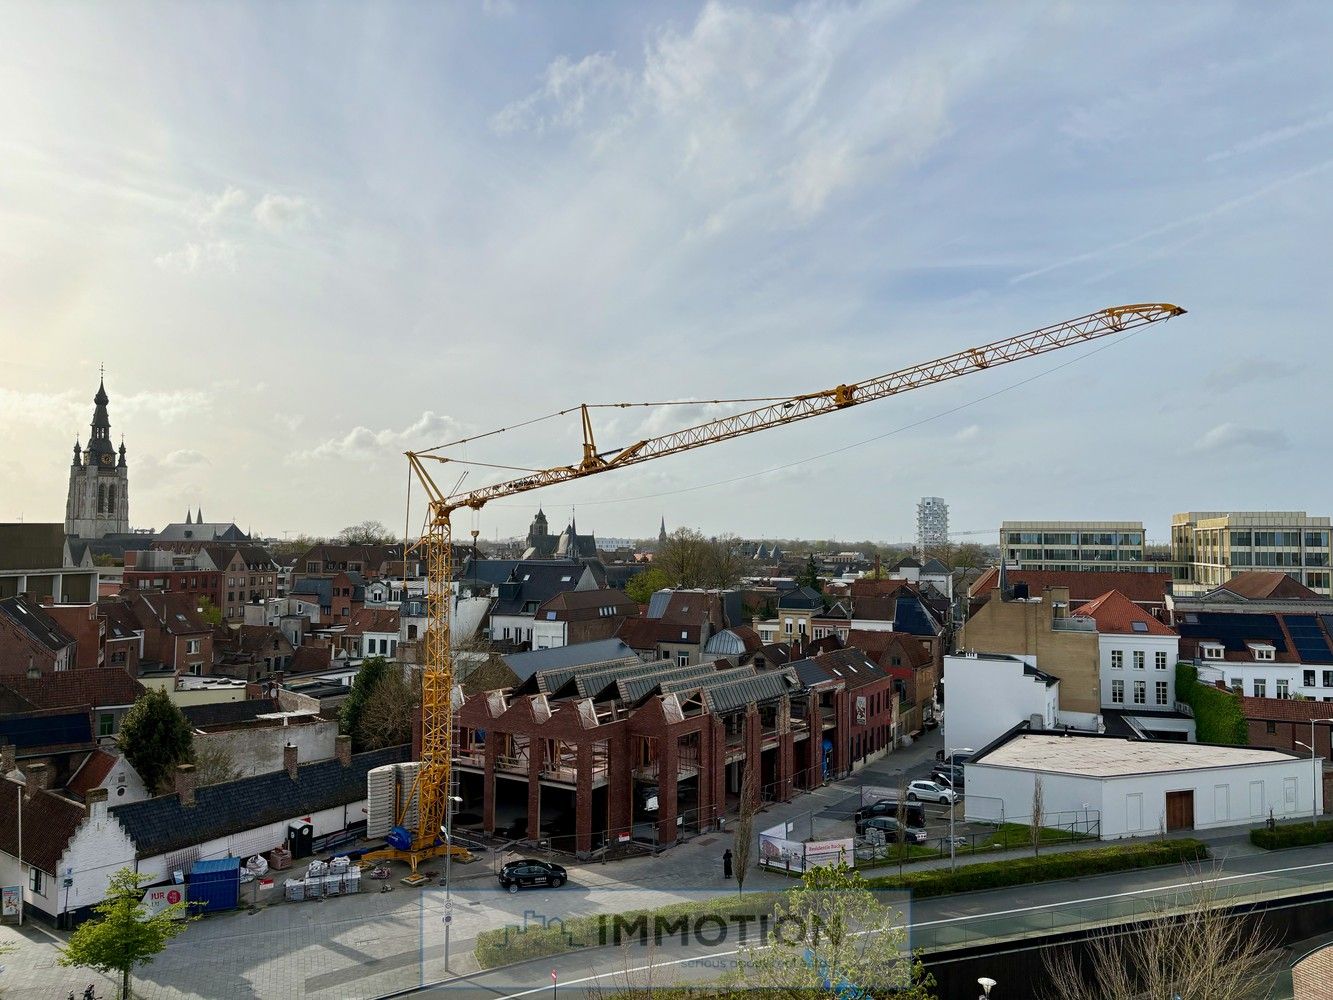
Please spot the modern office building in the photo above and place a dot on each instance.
(1072, 545)
(1209, 547)
(932, 525)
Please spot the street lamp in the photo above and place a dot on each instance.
(987, 984)
(19, 779)
(449, 801)
(1314, 775)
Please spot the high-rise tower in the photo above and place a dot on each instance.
(99, 499)
(932, 525)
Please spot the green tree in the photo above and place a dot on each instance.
(210, 612)
(809, 577)
(372, 672)
(832, 938)
(123, 935)
(155, 737)
(645, 583)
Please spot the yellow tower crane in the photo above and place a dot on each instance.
(431, 787)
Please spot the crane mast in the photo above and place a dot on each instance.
(432, 784)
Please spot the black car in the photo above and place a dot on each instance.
(893, 833)
(915, 812)
(953, 776)
(527, 873)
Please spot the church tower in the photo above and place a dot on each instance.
(99, 500)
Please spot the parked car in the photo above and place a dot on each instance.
(891, 830)
(528, 873)
(949, 775)
(930, 791)
(961, 755)
(915, 813)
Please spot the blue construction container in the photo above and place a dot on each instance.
(214, 884)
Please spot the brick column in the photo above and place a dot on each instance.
(786, 758)
(583, 801)
(536, 750)
(488, 780)
(754, 744)
(619, 782)
(668, 766)
(842, 714)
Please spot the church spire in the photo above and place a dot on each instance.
(187, 516)
(199, 517)
(101, 452)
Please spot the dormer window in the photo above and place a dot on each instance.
(1263, 650)
(1212, 650)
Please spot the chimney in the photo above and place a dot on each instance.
(289, 760)
(185, 779)
(7, 758)
(94, 804)
(342, 749)
(39, 777)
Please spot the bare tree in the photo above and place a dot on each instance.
(744, 828)
(386, 717)
(214, 760)
(367, 533)
(1038, 815)
(726, 562)
(1191, 947)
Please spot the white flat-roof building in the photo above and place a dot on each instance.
(1139, 787)
(987, 694)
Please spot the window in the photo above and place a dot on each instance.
(1140, 692)
(1260, 688)
(1270, 728)
(1327, 678)
(1159, 659)
(35, 879)
(1118, 692)
(1308, 678)
(1161, 692)
(1118, 659)
(1263, 652)
(1237, 686)
(1283, 689)
(192, 645)
(1212, 652)
(106, 724)
(1139, 658)
(682, 659)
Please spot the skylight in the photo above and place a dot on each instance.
(1139, 626)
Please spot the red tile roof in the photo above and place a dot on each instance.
(91, 773)
(54, 817)
(98, 687)
(1115, 614)
(373, 620)
(646, 633)
(1260, 586)
(1139, 587)
(1285, 709)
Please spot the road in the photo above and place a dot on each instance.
(944, 920)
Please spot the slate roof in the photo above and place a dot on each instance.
(162, 824)
(911, 615)
(1116, 614)
(213, 531)
(49, 822)
(933, 567)
(734, 641)
(810, 673)
(228, 712)
(102, 688)
(29, 617)
(485, 571)
(525, 665)
(853, 666)
(535, 583)
(801, 599)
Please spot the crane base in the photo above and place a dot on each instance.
(419, 854)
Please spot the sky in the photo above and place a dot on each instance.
(303, 238)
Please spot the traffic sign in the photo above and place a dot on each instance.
(448, 918)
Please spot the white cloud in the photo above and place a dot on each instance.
(1234, 436)
(363, 443)
(277, 212)
(1272, 137)
(208, 212)
(969, 433)
(569, 92)
(193, 256)
(185, 458)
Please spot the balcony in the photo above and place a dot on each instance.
(1075, 624)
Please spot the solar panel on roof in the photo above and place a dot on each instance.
(1308, 638)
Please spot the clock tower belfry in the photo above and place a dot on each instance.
(99, 501)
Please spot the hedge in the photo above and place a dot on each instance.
(507, 945)
(1292, 835)
(1218, 717)
(511, 944)
(1045, 868)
